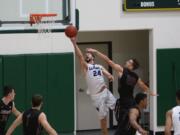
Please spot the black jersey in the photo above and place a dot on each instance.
(31, 125)
(5, 111)
(126, 83)
(130, 130)
(124, 126)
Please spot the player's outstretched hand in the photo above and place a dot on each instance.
(91, 50)
(111, 78)
(73, 40)
(143, 132)
(153, 93)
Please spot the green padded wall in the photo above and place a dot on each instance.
(36, 77)
(14, 74)
(51, 75)
(60, 91)
(168, 76)
(1, 74)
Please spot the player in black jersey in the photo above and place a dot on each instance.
(127, 80)
(7, 107)
(131, 123)
(33, 120)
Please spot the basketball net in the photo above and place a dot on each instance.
(42, 22)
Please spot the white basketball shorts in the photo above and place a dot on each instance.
(103, 102)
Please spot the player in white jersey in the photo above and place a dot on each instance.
(97, 89)
(94, 78)
(173, 118)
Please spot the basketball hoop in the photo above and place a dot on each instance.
(42, 22)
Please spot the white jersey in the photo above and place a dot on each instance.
(176, 120)
(94, 78)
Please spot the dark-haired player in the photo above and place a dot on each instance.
(7, 107)
(127, 80)
(132, 125)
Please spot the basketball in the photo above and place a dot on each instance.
(71, 31)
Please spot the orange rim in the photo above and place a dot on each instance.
(36, 18)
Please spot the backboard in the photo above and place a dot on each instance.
(15, 14)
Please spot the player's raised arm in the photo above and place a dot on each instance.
(107, 74)
(79, 54)
(145, 88)
(118, 68)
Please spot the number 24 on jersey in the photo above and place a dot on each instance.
(96, 72)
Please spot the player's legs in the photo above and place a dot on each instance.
(104, 129)
(111, 100)
(123, 107)
(100, 103)
(122, 122)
